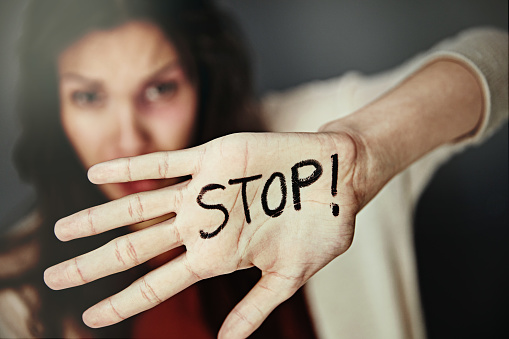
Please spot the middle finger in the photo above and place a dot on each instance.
(128, 210)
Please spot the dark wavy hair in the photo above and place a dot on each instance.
(213, 55)
(211, 51)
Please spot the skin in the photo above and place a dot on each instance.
(124, 93)
(441, 103)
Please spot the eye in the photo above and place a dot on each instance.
(161, 91)
(87, 98)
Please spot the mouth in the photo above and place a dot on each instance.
(132, 187)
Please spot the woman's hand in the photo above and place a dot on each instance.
(285, 203)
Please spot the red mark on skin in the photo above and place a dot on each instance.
(131, 251)
(145, 286)
(78, 270)
(114, 310)
(129, 169)
(90, 222)
(117, 254)
(140, 207)
(240, 315)
(135, 206)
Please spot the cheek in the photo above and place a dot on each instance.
(174, 126)
(84, 137)
(174, 131)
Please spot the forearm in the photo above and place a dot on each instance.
(440, 103)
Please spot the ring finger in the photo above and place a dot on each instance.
(118, 255)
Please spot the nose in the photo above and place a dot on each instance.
(132, 137)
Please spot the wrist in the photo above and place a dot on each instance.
(440, 103)
(367, 175)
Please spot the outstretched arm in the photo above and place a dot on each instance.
(285, 203)
(441, 103)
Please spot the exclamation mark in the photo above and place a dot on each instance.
(334, 184)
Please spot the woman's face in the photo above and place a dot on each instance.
(123, 92)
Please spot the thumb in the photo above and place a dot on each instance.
(270, 291)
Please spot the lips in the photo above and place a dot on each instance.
(139, 186)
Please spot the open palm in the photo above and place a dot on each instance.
(285, 203)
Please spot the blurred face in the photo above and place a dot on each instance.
(123, 92)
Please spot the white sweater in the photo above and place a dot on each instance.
(371, 291)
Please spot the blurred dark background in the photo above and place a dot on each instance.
(461, 228)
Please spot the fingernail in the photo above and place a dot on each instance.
(94, 316)
(61, 230)
(50, 278)
(95, 174)
(90, 319)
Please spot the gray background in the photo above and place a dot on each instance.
(461, 221)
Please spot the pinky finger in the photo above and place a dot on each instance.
(270, 291)
(145, 293)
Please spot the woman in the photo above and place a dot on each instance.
(231, 215)
(182, 78)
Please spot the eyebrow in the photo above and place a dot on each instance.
(81, 78)
(166, 67)
(97, 83)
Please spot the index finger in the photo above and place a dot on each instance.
(158, 165)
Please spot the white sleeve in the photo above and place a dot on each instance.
(485, 50)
